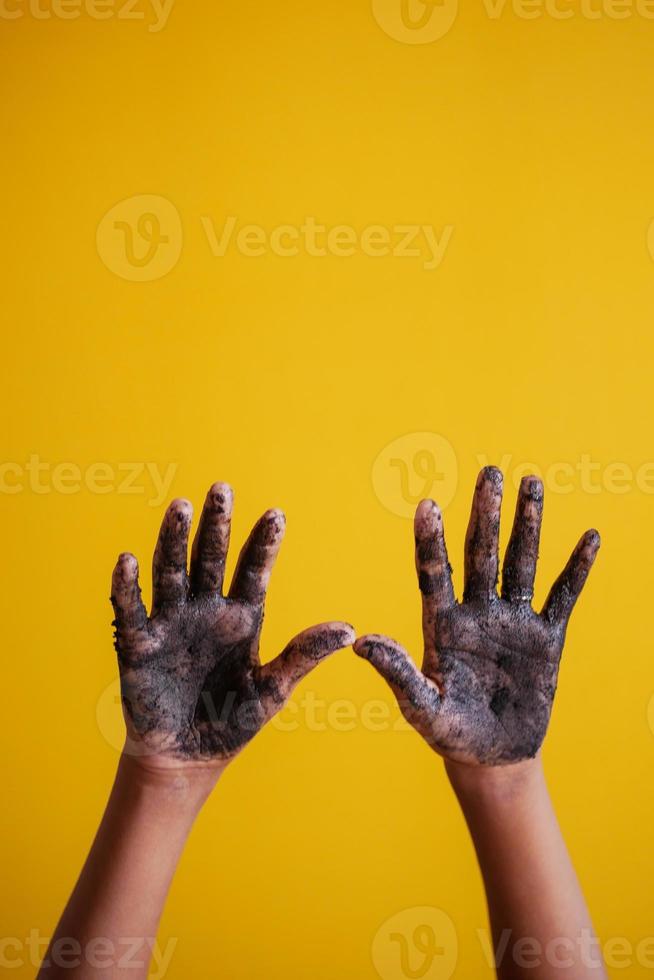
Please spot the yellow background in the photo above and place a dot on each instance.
(288, 376)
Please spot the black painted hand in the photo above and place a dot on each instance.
(193, 688)
(490, 666)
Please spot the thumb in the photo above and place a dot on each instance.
(396, 667)
(278, 678)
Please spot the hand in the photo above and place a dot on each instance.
(193, 688)
(490, 666)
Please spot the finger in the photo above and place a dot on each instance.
(209, 552)
(482, 538)
(567, 588)
(129, 611)
(278, 678)
(434, 574)
(521, 555)
(169, 577)
(257, 558)
(396, 667)
(433, 567)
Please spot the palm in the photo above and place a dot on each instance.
(490, 666)
(498, 679)
(192, 684)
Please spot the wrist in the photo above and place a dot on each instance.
(176, 791)
(487, 785)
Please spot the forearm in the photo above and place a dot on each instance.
(111, 920)
(540, 923)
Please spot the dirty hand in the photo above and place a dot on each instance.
(193, 688)
(485, 691)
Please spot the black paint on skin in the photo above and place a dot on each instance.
(193, 687)
(488, 679)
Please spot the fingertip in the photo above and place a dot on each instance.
(427, 518)
(491, 474)
(361, 646)
(273, 524)
(181, 509)
(126, 558)
(220, 497)
(327, 638)
(590, 545)
(127, 566)
(531, 486)
(366, 646)
(343, 633)
(275, 515)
